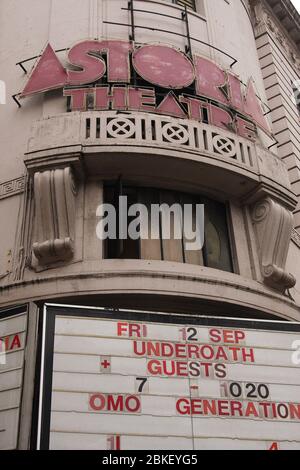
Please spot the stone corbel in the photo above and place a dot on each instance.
(273, 225)
(54, 194)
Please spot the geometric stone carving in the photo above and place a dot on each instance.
(174, 132)
(12, 187)
(54, 194)
(273, 224)
(224, 146)
(121, 127)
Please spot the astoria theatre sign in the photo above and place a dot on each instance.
(156, 78)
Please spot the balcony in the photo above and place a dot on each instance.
(142, 145)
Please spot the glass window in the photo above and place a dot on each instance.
(191, 4)
(186, 3)
(217, 247)
(166, 237)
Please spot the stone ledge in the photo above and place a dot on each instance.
(152, 278)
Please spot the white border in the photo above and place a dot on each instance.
(285, 322)
(42, 366)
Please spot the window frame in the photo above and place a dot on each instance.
(179, 196)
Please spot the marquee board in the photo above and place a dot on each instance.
(135, 380)
(13, 332)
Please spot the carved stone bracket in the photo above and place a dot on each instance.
(54, 194)
(273, 224)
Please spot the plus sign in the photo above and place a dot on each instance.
(105, 364)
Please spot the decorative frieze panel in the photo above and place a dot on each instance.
(12, 187)
(273, 224)
(54, 193)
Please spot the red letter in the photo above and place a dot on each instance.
(163, 66)
(78, 98)
(97, 397)
(171, 107)
(15, 342)
(294, 410)
(135, 330)
(115, 403)
(210, 80)
(142, 351)
(274, 446)
(93, 68)
(254, 109)
(140, 99)
(154, 367)
(245, 128)
(117, 98)
(220, 118)
(122, 328)
(48, 74)
(135, 406)
(215, 336)
(239, 336)
(183, 406)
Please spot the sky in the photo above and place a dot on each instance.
(297, 4)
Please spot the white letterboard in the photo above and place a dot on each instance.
(134, 384)
(12, 347)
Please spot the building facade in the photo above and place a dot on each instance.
(192, 101)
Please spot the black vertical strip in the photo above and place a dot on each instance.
(204, 249)
(47, 373)
(182, 205)
(132, 36)
(131, 8)
(161, 228)
(138, 200)
(185, 17)
(231, 241)
(117, 194)
(36, 390)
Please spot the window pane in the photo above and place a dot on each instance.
(188, 3)
(191, 256)
(151, 247)
(121, 249)
(217, 246)
(171, 222)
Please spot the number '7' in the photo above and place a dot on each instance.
(142, 384)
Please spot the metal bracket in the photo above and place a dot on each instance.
(14, 97)
(131, 9)
(20, 64)
(22, 67)
(185, 18)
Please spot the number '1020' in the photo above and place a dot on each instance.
(255, 391)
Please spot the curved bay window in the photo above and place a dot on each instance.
(214, 251)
